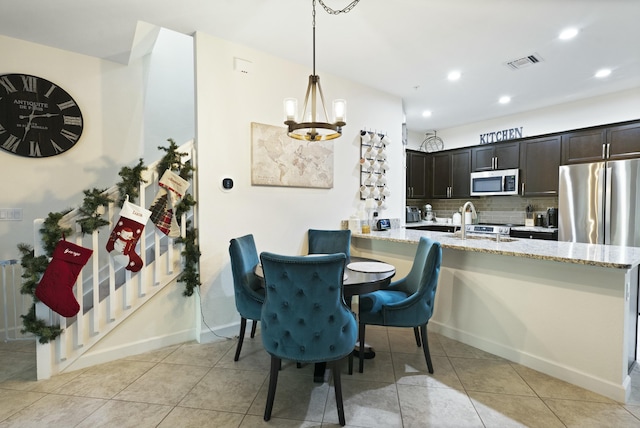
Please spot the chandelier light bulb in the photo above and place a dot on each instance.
(290, 109)
(339, 110)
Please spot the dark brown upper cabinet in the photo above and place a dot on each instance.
(450, 174)
(418, 175)
(604, 143)
(539, 163)
(495, 156)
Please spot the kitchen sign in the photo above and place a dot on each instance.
(504, 135)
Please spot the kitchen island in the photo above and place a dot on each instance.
(569, 310)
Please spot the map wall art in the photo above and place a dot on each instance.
(279, 160)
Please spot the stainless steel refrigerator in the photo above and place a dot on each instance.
(599, 202)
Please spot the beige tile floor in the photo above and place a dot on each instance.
(199, 385)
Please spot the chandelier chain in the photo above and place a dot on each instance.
(347, 9)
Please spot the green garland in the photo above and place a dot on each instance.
(190, 276)
(51, 232)
(191, 252)
(92, 217)
(130, 184)
(33, 268)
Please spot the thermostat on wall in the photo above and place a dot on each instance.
(227, 184)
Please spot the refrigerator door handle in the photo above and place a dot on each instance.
(606, 176)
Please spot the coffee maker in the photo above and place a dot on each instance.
(552, 217)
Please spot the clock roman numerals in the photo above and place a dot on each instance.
(73, 120)
(34, 149)
(56, 147)
(4, 81)
(30, 83)
(69, 135)
(66, 105)
(51, 89)
(11, 144)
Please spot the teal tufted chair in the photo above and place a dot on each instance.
(304, 317)
(407, 302)
(329, 241)
(249, 292)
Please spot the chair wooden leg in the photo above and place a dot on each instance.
(273, 382)
(337, 384)
(351, 363)
(243, 326)
(361, 350)
(425, 347)
(417, 334)
(253, 328)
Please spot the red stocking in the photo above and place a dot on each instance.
(55, 289)
(125, 234)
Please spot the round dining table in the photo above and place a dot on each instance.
(367, 275)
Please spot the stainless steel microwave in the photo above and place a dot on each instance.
(491, 183)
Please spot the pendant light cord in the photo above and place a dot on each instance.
(330, 11)
(313, 23)
(337, 12)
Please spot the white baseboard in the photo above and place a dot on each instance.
(128, 349)
(616, 392)
(225, 332)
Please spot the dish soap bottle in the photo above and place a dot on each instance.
(457, 218)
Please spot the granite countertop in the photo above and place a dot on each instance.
(568, 252)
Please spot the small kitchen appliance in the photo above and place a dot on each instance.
(428, 213)
(413, 215)
(493, 183)
(383, 224)
(552, 217)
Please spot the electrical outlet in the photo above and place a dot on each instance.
(10, 214)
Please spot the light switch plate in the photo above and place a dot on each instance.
(10, 214)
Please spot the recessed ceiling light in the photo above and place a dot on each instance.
(504, 100)
(603, 73)
(454, 75)
(426, 113)
(568, 33)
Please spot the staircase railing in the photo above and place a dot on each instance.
(106, 292)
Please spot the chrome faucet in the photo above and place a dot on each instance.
(463, 229)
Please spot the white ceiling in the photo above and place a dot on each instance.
(403, 47)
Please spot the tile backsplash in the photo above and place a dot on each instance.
(491, 209)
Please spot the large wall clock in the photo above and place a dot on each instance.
(37, 118)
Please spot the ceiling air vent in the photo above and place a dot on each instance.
(524, 62)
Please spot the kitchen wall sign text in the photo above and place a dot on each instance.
(504, 135)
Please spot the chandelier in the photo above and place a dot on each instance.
(311, 128)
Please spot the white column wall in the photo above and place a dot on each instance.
(278, 217)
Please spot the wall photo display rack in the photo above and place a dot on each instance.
(373, 168)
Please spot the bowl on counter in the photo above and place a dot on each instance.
(443, 220)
